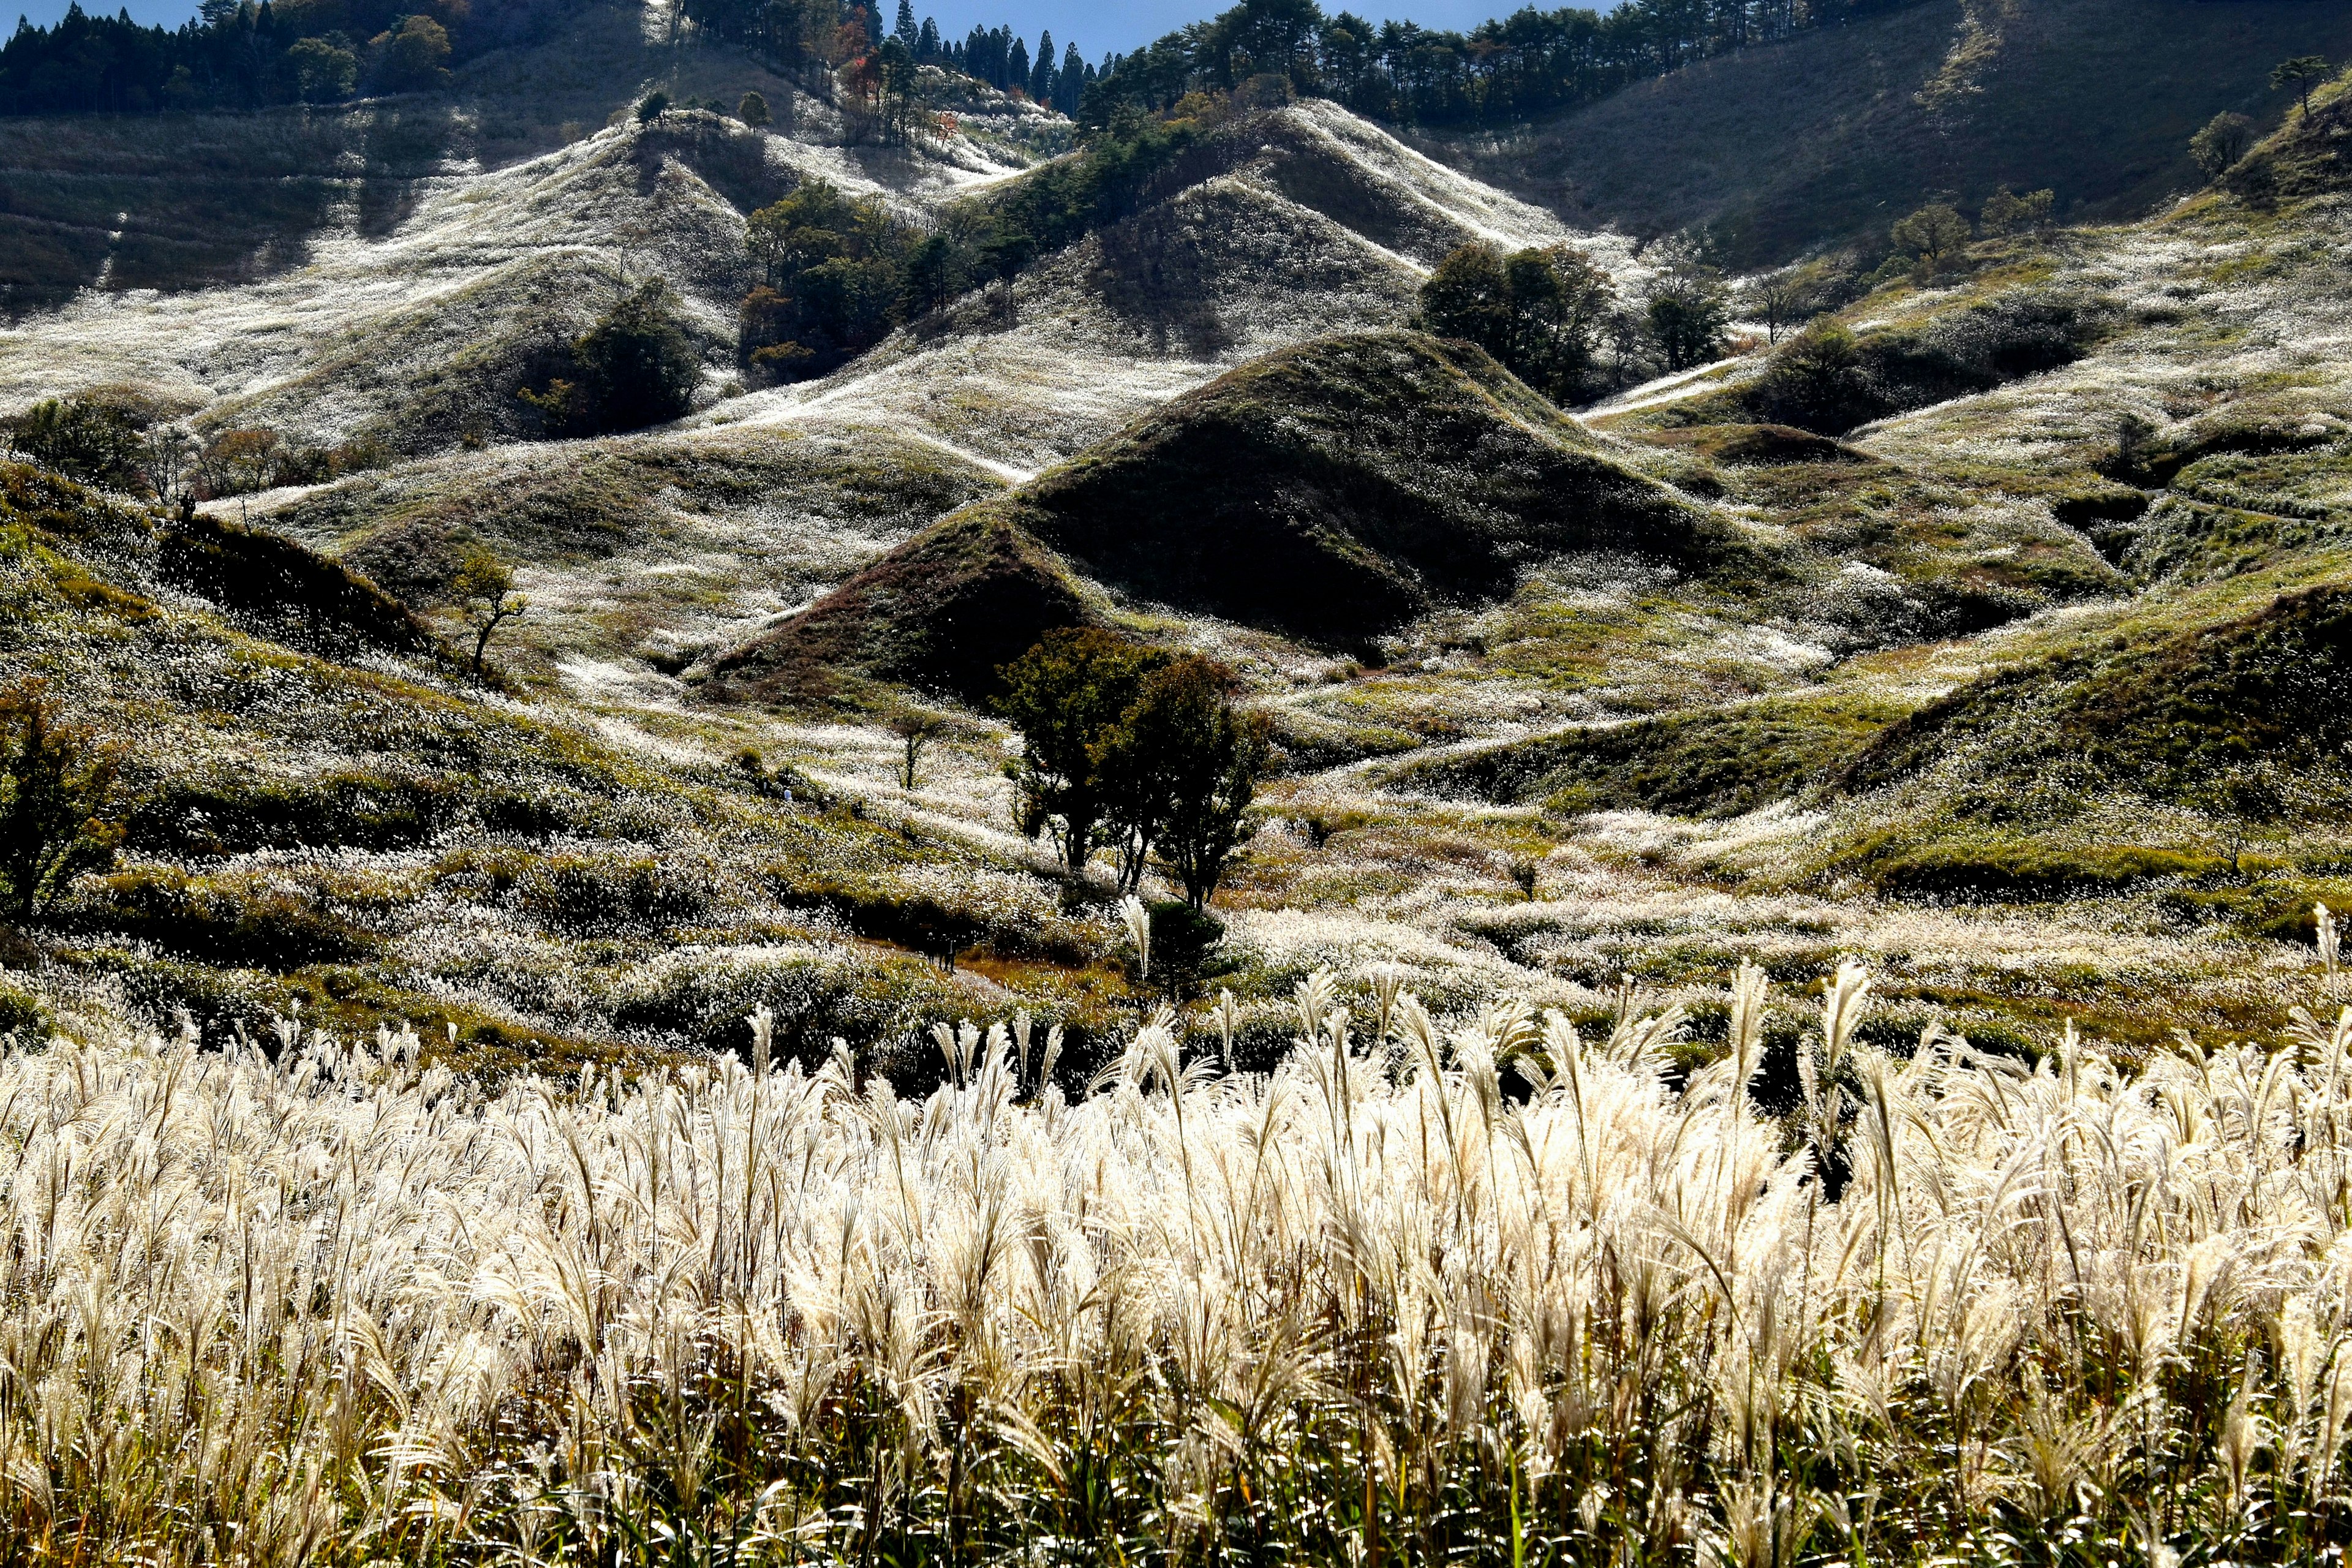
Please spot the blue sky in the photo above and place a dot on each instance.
(1097, 28)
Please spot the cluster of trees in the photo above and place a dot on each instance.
(840, 273)
(1559, 323)
(1136, 750)
(242, 55)
(635, 367)
(795, 36)
(1505, 70)
(119, 439)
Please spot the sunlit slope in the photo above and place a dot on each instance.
(650, 550)
(323, 807)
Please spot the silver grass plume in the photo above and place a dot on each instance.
(1138, 920)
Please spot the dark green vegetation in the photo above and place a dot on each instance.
(1502, 71)
(1540, 314)
(1135, 747)
(1716, 763)
(55, 786)
(634, 368)
(1829, 379)
(272, 587)
(840, 275)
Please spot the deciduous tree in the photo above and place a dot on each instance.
(1931, 235)
(1196, 759)
(2223, 142)
(485, 587)
(1066, 696)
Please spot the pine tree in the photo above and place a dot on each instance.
(1041, 79)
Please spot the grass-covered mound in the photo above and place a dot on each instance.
(271, 585)
(1329, 492)
(1335, 490)
(1715, 763)
(2207, 717)
(943, 611)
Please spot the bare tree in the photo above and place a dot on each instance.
(915, 731)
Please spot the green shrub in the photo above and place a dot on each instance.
(220, 921)
(22, 1015)
(354, 809)
(1829, 380)
(2026, 869)
(604, 897)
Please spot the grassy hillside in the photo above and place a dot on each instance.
(1836, 133)
(380, 839)
(1328, 493)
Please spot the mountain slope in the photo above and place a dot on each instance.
(1839, 132)
(1329, 492)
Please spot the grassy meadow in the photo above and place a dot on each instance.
(1502, 1292)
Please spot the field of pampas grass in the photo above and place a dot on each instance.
(1485, 1291)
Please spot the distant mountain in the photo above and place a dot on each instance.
(1835, 133)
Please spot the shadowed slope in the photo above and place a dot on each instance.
(1842, 129)
(1329, 492)
(1336, 490)
(942, 612)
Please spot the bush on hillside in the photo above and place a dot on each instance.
(1540, 313)
(2224, 140)
(635, 367)
(1827, 380)
(55, 785)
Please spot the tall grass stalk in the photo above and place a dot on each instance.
(1491, 1292)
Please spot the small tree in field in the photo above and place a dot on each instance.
(1686, 306)
(1066, 696)
(485, 586)
(54, 785)
(2223, 142)
(2297, 76)
(752, 110)
(1197, 760)
(915, 731)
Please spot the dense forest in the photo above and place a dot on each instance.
(1505, 70)
(241, 56)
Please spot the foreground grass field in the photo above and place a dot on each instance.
(1493, 1294)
